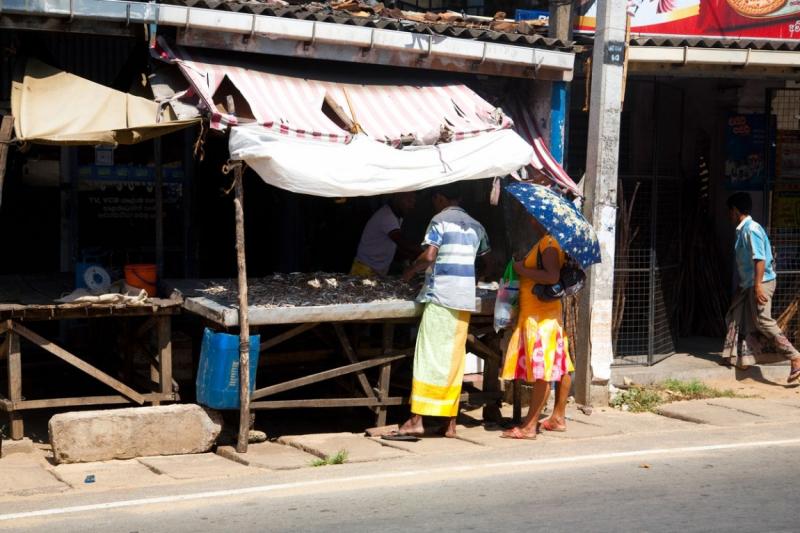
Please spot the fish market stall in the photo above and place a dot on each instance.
(306, 302)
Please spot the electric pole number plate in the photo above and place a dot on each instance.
(615, 53)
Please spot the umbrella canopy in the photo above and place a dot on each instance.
(561, 219)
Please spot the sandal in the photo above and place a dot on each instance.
(547, 425)
(517, 434)
(794, 375)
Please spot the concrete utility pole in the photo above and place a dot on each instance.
(600, 189)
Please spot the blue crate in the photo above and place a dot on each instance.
(531, 14)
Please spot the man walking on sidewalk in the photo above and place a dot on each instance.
(749, 318)
(453, 241)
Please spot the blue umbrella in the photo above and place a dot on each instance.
(561, 219)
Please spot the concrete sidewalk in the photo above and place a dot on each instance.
(27, 474)
(699, 360)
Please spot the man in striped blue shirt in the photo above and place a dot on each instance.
(452, 243)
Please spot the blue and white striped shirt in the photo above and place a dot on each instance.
(450, 281)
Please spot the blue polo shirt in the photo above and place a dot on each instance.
(753, 244)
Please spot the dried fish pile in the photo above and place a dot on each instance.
(304, 290)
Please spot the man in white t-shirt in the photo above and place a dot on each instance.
(382, 237)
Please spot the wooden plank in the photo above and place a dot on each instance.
(164, 340)
(244, 327)
(90, 400)
(283, 337)
(5, 404)
(78, 363)
(322, 376)
(6, 131)
(387, 344)
(488, 353)
(14, 357)
(353, 358)
(328, 402)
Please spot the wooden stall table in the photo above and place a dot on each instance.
(34, 301)
(219, 309)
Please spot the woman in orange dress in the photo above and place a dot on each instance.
(539, 349)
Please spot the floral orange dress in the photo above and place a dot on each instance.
(539, 348)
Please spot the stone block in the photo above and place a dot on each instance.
(196, 466)
(133, 432)
(24, 475)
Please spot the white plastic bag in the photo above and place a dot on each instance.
(506, 306)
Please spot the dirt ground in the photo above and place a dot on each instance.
(757, 388)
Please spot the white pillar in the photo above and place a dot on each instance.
(601, 195)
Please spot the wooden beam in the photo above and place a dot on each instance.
(285, 336)
(6, 131)
(323, 376)
(489, 354)
(328, 402)
(351, 356)
(89, 400)
(78, 363)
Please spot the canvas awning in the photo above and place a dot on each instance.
(51, 106)
(431, 114)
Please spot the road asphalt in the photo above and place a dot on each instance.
(713, 480)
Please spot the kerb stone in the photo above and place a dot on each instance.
(134, 432)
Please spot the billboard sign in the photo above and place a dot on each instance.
(731, 19)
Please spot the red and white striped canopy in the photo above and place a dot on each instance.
(294, 104)
(542, 160)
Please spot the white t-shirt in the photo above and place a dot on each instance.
(376, 249)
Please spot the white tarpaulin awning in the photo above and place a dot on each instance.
(365, 167)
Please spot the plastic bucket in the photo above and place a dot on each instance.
(142, 276)
(218, 371)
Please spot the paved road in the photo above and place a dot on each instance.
(748, 489)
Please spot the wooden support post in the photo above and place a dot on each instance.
(159, 193)
(6, 130)
(387, 344)
(164, 342)
(14, 357)
(244, 326)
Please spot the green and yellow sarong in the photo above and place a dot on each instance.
(439, 360)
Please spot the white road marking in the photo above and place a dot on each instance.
(389, 475)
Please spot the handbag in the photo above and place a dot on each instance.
(571, 281)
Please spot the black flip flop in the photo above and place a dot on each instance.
(400, 437)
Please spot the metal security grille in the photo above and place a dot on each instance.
(648, 248)
(784, 204)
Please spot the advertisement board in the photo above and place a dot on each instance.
(732, 19)
(745, 150)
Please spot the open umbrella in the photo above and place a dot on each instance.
(561, 219)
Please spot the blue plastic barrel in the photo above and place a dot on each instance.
(218, 373)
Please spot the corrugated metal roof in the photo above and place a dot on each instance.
(714, 42)
(450, 24)
(701, 42)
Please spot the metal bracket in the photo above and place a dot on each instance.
(312, 42)
(127, 15)
(252, 26)
(685, 55)
(482, 60)
(71, 10)
(188, 14)
(747, 59)
(365, 51)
